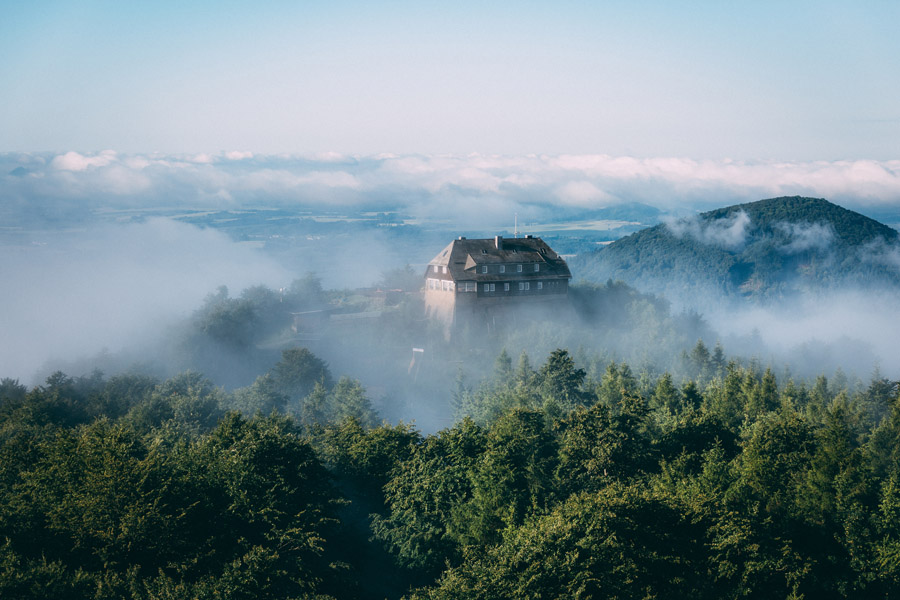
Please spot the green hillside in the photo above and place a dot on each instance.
(761, 250)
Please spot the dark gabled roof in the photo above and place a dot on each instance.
(463, 257)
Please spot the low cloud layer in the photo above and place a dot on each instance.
(729, 233)
(111, 287)
(803, 237)
(38, 183)
(853, 330)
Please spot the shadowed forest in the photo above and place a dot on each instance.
(617, 451)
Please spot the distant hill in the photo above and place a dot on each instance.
(765, 250)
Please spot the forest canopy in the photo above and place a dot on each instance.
(553, 481)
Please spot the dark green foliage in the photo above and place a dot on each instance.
(188, 402)
(365, 457)
(346, 400)
(349, 401)
(11, 391)
(568, 485)
(227, 321)
(666, 397)
(122, 392)
(298, 371)
(264, 396)
(776, 454)
(693, 433)
(884, 445)
(513, 477)
(587, 448)
(560, 383)
(616, 384)
(428, 497)
(887, 548)
(106, 512)
(621, 542)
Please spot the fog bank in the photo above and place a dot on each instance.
(853, 330)
(74, 293)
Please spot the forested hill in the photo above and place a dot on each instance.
(760, 250)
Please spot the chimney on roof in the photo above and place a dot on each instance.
(462, 237)
(498, 242)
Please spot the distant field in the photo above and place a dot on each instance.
(595, 225)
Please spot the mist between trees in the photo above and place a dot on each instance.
(305, 450)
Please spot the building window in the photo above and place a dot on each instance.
(521, 286)
(527, 284)
(493, 287)
(489, 287)
(505, 287)
(444, 269)
(537, 267)
(518, 268)
(503, 268)
(540, 285)
(484, 269)
(435, 268)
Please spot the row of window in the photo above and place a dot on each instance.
(519, 268)
(523, 286)
(536, 267)
(471, 286)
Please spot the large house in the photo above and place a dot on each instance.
(488, 277)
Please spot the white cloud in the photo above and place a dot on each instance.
(881, 253)
(729, 233)
(238, 155)
(203, 159)
(73, 161)
(850, 329)
(583, 193)
(671, 184)
(329, 157)
(806, 236)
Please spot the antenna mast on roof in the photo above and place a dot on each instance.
(516, 230)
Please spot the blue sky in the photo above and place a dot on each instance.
(792, 81)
